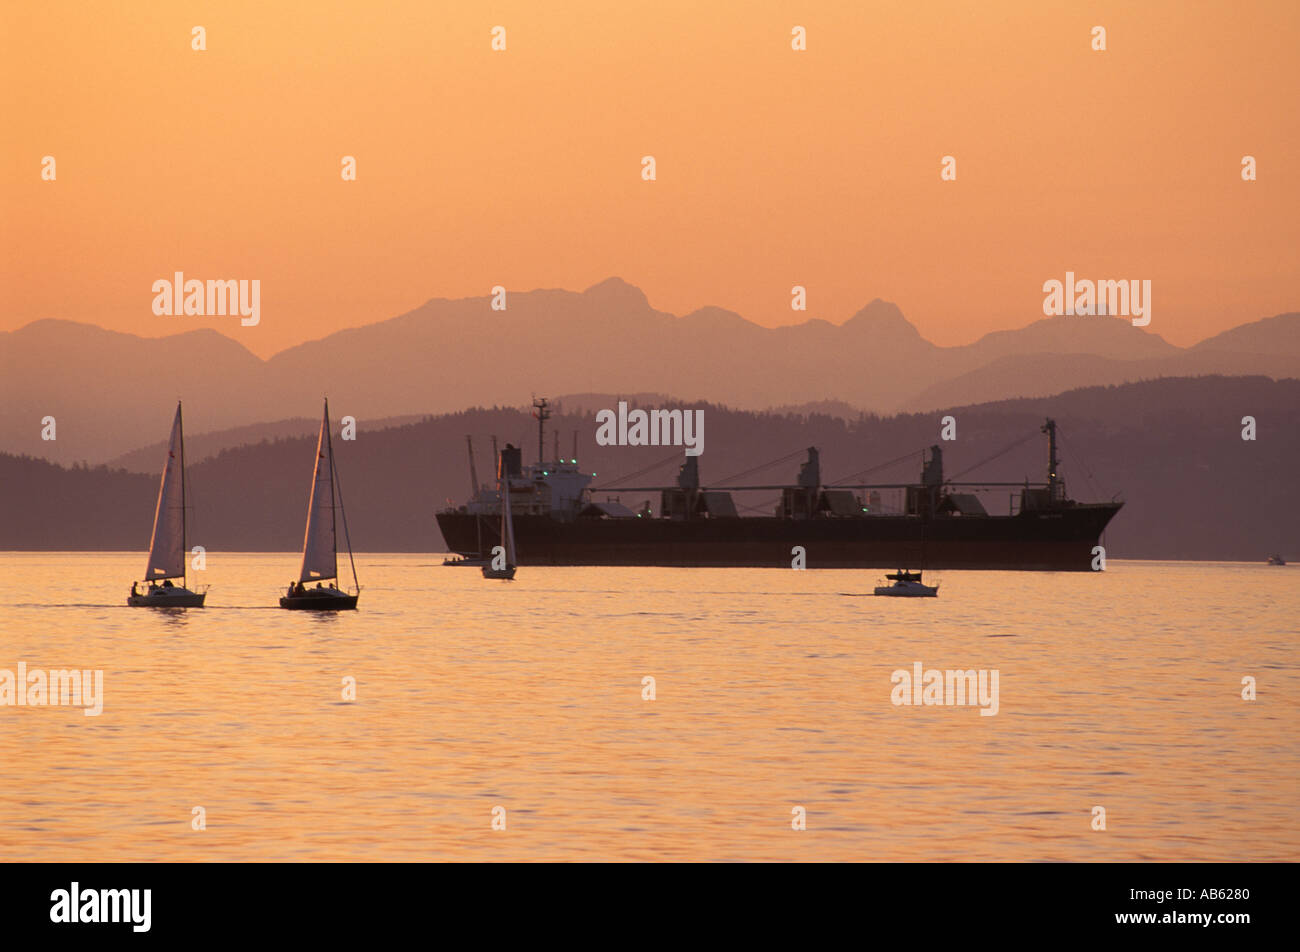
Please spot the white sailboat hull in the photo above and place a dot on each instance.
(176, 597)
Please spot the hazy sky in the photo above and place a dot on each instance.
(774, 167)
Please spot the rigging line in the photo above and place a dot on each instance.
(641, 472)
(783, 459)
(1094, 487)
(1001, 452)
(872, 469)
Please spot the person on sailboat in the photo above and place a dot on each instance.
(135, 589)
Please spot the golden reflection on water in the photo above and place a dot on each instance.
(772, 691)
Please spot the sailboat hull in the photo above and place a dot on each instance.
(167, 598)
(506, 573)
(320, 600)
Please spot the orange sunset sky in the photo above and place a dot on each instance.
(523, 167)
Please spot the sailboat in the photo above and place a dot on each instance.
(503, 562)
(167, 549)
(320, 543)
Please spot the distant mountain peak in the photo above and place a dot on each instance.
(1269, 335)
(615, 289)
(883, 318)
(1101, 335)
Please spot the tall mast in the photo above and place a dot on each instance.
(473, 473)
(1050, 429)
(329, 448)
(334, 481)
(543, 413)
(507, 521)
(185, 551)
(503, 490)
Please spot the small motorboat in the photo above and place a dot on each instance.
(465, 561)
(907, 585)
(1276, 560)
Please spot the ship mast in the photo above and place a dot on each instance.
(1050, 429)
(542, 412)
(473, 473)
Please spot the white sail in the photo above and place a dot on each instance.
(319, 553)
(167, 547)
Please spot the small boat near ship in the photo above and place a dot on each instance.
(320, 542)
(907, 585)
(466, 562)
(1276, 559)
(167, 546)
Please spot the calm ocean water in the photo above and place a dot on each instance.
(772, 691)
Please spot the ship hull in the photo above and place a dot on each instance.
(1059, 540)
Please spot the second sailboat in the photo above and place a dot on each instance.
(320, 543)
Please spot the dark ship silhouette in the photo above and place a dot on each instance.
(557, 522)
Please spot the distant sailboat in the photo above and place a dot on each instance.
(503, 562)
(167, 547)
(320, 543)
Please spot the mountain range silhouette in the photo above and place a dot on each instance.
(110, 392)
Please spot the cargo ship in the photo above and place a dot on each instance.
(940, 524)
